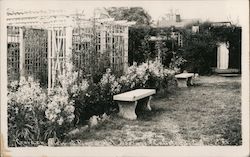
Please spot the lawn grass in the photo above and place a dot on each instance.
(208, 113)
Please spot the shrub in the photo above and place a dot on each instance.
(60, 110)
(146, 75)
(26, 106)
(135, 77)
(159, 76)
(98, 98)
(59, 113)
(109, 86)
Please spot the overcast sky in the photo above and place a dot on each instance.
(213, 10)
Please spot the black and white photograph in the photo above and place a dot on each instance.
(121, 75)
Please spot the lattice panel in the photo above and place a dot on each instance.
(35, 56)
(57, 55)
(102, 47)
(82, 44)
(115, 43)
(13, 53)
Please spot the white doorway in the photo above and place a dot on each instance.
(222, 56)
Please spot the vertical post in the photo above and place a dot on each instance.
(21, 53)
(111, 46)
(49, 59)
(53, 55)
(103, 39)
(218, 56)
(68, 47)
(125, 60)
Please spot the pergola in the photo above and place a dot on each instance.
(42, 41)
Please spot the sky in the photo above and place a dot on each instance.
(213, 10)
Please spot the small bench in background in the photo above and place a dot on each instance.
(128, 101)
(185, 79)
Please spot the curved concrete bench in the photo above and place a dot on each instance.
(128, 101)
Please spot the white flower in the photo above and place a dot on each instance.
(84, 85)
(74, 89)
(14, 84)
(69, 109)
(60, 121)
(70, 117)
(57, 110)
(87, 95)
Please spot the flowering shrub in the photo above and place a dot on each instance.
(26, 106)
(59, 113)
(60, 110)
(109, 86)
(135, 77)
(159, 76)
(177, 63)
(35, 115)
(98, 98)
(109, 82)
(146, 75)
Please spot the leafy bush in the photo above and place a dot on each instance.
(35, 115)
(177, 63)
(135, 77)
(98, 98)
(146, 75)
(26, 106)
(59, 113)
(61, 105)
(198, 50)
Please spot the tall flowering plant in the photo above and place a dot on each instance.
(109, 83)
(109, 86)
(26, 106)
(60, 111)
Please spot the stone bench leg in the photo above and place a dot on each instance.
(144, 104)
(127, 110)
(148, 107)
(190, 81)
(182, 82)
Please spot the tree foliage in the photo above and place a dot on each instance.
(137, 14)
(198, 50)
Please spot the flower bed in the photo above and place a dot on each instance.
(35, 115)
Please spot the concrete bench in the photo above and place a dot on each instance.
(184, 79)
(128, 101)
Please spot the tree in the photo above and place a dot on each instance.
(137, 14)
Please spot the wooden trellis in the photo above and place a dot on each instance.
(13, 55)
(35, 53)
(58, 35)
